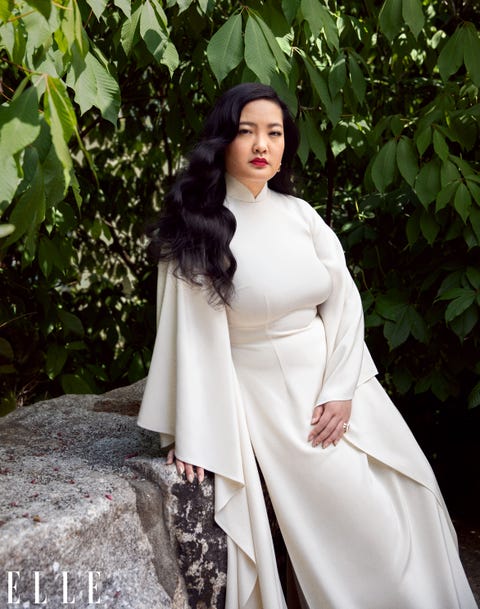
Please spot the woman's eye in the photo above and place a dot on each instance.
(276, 133)
(244, 131)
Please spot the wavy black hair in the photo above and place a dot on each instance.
(194, 228)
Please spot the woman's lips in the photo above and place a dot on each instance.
(259, 162)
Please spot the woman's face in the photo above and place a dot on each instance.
(255, 155)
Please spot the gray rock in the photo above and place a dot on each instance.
(84, 495)
(125, 400)
(189, 518)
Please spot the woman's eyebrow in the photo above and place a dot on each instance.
(252, 124)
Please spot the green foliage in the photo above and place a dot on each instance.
(100, 101)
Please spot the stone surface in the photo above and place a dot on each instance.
(189, 517)
(84, 491)
(124, 400)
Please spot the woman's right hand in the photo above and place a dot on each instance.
(185, 468)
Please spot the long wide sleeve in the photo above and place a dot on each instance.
(190, 391)
(348, 360)
(192, 397)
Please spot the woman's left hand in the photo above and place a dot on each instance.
(328, 422)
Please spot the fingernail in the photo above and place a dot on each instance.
(190, 477)
(325, 444)
(180, 471)
(335, 442)
(200, 479)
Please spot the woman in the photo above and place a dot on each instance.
(260, 356)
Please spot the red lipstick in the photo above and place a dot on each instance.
(259, 162)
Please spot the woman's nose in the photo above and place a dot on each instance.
(260, 145)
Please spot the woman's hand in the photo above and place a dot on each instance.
(185, 468)
(328, 422)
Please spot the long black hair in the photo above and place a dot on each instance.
(194, 228)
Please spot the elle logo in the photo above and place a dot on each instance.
(40, 597)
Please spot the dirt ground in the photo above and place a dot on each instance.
(469, 544)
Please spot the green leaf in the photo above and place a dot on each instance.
(396, 332)
(474, 189)
(170, 57)
(72, 30)
(474, 396)
(407, 161)
(440, 145)
(95, 86)
(29, 210)
(451, 56)
(390, 305)
(19, 123)
(282, 63)
(383, 167)
(316, 141)
(452, 292)
(129, 32)
(413, 228)
(337, 75)
(6, 229)
(473, 276)
(53, 178)
(462, 201)
(475, 221)
(47, 255)
(14, 41)
(334, 111)
(429, 226)
(125, 6)
(359, 84)
(446, 195)
(402, 379)
(42, 6)
(6, 350)
(60, 115)
(97, 6)
(463, 324)
(9, 181)
(288, 96)
(6, 8)
(320, 20)
(408, 321)
(413, 14)
(70, 322)
(290, 9)
(418, 326)
(390, 18)
(423, 139)
(75, 384)
(39, 34)
(448, 173)
(460, 304)
(319, 84)
(304, 147)
(472, 52)
(258, 55)
(154, 34)
(225, 48)
(465, 167)
(55, 360)
(427, 184)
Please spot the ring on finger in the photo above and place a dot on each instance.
(346, 427)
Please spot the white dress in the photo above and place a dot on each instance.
(364, 522)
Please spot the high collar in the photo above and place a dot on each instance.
(237, 190)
